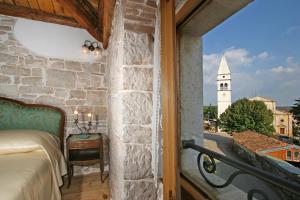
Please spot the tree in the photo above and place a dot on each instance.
(246, 115)
(210, 112)
(296, 111)
(296, 114)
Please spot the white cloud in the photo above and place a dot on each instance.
(247, 82)
(238, 56)
(292, 29)
(282, 69)
(263, 55)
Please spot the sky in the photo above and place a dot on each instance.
(262, 47)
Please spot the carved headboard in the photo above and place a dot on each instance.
(19, 115)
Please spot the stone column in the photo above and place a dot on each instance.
(130, 64)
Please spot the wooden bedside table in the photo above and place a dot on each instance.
(87, 151)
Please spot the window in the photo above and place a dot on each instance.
(296, 155)
(221, 86)
(288, 155)
(226, 86)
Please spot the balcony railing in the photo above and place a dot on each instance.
(284, 189)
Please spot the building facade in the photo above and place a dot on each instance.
(282, 119)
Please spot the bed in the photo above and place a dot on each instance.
(31, 146)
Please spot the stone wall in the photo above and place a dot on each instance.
(130, 64)
(67, 84)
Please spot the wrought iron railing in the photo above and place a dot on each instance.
(285, 189)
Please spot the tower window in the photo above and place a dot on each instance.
(226, 86)
(221, 86)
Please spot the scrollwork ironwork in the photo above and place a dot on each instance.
(206, 163)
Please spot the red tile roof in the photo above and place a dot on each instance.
(257, 142)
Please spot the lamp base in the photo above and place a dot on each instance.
(84, 135)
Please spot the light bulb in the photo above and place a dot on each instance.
(85, 49)
(76, 112)
(97, 51)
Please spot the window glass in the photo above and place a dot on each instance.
(296, 155)
(228, 104)
(289, 155)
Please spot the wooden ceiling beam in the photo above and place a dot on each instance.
(105, 14)
(34, 14)
(84, 17)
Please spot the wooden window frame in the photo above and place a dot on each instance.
(171, 190)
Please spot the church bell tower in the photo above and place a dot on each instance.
(224, 86)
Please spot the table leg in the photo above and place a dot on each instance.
(70, 174)
(101, 159)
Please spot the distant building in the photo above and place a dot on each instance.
(283, 119)
(224, 86)
(255, 143)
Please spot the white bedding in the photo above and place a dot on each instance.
(31, 165)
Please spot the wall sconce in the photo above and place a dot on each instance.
(89, 46)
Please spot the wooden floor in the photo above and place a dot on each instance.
(88, 187)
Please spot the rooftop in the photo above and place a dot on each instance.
(257, 142)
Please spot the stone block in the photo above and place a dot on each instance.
(73, 66)
(85, 109)
(100, 112)
(97, 97)
(15, 70)
(3, 47)
(77, 94)
(18, 50)
(92, 67)
(103, 68)
(16, 79)
(75, 102)
(137, 190)
(83, 83)
(137, 108)
(140, 6)
(36, 72)
(46, 99)
(9, 90)
(137, 134)
(138, 48)
(8, 59)
(31, 80)
(61, 93)
(98, 82)
(5, 28)
(35, 61)
(69, 110)
(56, 64)
(137, 162)
(36, 90)
(135, 78)
(5, 79)
(83, 75)
(59, 78)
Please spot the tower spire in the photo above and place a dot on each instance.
(223, 68)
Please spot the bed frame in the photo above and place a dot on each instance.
(16, 114)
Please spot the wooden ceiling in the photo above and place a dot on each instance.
(93, 15)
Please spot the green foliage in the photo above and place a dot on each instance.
(296, 111)
(246, 115)
(210, 112)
